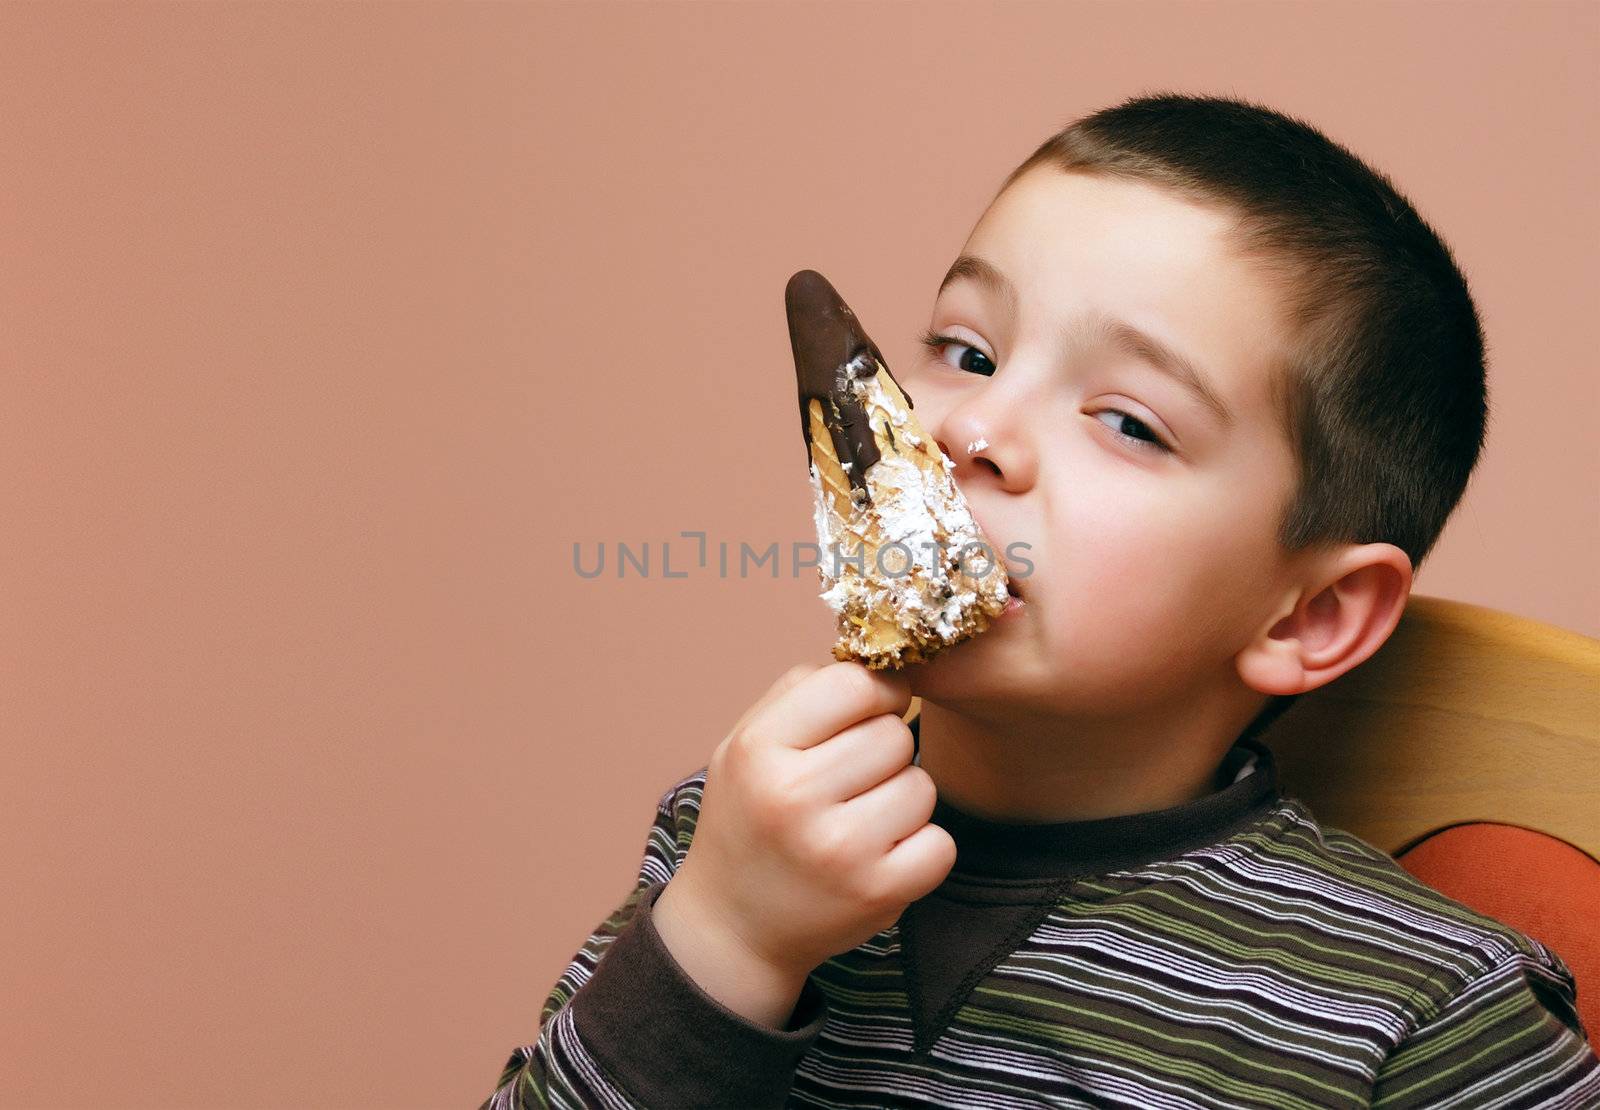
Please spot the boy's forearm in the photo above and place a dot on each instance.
(628, 1026)
(721, 965)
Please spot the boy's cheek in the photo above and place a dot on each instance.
(925, 387)
(924, 399)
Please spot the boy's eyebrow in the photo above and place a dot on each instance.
(1099, 327)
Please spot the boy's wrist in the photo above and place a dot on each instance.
(720, 962)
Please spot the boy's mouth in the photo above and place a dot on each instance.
(1014, 585)
(1017, 600)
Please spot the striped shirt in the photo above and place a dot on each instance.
(1230, 952)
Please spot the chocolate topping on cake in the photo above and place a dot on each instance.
(831, 350)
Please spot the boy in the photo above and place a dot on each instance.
(1227, 386)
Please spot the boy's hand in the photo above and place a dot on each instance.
(812, 836)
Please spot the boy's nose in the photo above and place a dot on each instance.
(977, 456)
(990, 448)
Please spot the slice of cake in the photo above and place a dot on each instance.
(903, 563)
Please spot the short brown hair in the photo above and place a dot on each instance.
(1383, 399)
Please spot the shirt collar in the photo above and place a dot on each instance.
(1070, 848)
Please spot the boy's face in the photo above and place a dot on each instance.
(1151, 570)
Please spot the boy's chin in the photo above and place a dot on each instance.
(971, 670)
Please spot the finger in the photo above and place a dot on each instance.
(860, 757)
(828, 701)
(919, 863)
(892, 810)
(786, 682)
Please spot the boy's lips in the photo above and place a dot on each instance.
(1017, 601)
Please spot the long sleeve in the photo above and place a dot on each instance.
(625, 1026)
(1508, 1037)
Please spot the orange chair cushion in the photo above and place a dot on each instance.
(1537, 884)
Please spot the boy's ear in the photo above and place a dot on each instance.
(1341, 610)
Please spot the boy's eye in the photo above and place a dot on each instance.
(974, 361)
(1153, 443)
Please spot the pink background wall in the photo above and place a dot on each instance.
(327, 330)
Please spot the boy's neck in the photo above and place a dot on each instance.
(1033, 772)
